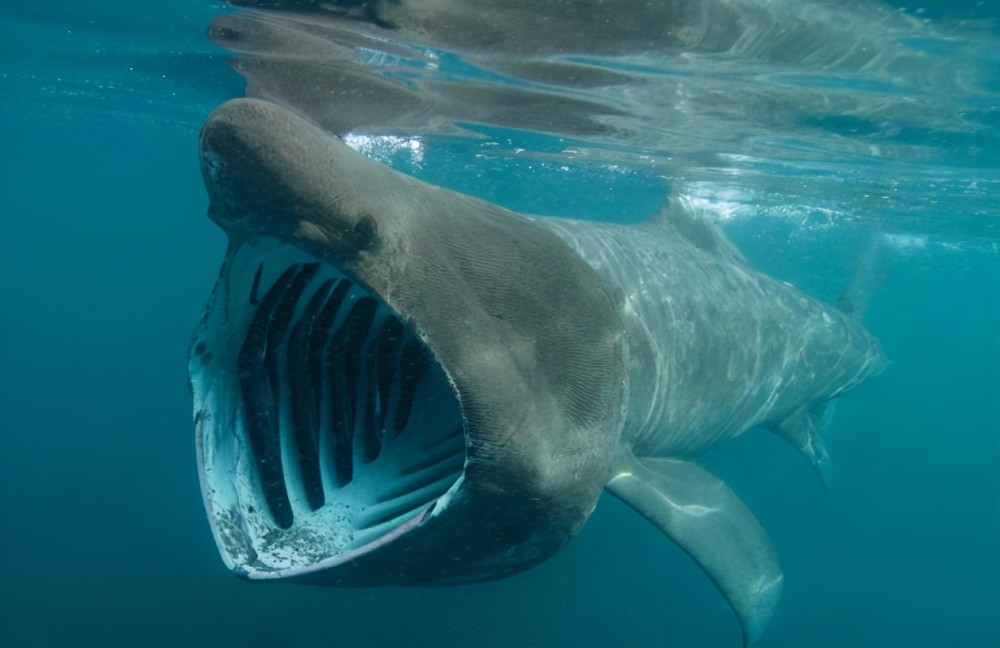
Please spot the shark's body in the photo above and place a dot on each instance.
(399, 384)
(714, 347)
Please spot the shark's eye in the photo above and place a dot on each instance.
(365, 232)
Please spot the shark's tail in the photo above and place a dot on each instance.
(873, 264)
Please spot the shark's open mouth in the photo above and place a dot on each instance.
(325, 425)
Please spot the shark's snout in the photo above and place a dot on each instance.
(271, 172)
(240, 175)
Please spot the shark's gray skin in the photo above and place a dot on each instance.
(398, 384)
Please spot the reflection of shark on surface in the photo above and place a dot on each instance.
(399, 384)
(659, 76)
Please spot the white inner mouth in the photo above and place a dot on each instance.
(324, 421)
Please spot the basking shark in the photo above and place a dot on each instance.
(397, 384)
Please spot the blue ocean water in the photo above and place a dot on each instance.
(106, 258)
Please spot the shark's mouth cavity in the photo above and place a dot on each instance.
(325, 425)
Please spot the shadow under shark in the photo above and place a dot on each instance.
(399, 384)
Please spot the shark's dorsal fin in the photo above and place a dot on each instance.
(685, 222)
(872, 266)
(702, 515)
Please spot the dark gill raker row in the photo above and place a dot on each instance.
(446, 461)
(255, 287)
(303, 396)
(258, 394)
(325, 406)
(328, 377)
(414, 368)
(277, 371)
(386, 510)
(390, 340)
(452, 446)
(343, 365)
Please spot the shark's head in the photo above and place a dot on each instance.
(394, 383)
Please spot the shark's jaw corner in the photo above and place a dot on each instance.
(325, 427)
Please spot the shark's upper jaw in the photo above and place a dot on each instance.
(326, 428)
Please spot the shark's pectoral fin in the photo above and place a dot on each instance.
(804, 430)
(701, 514)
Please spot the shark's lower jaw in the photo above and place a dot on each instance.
(326, 428)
